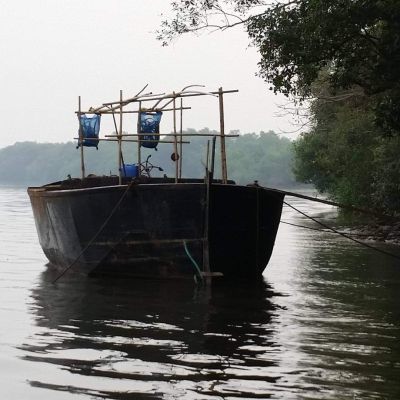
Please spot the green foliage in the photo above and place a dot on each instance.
(265, 157)
(386, 177)
(346, 156)
(358, 41)
(344, 54)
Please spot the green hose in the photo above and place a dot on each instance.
(193, 261)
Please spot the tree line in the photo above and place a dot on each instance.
(266, 157)
(339, 60)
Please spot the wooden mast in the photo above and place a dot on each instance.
(222, 132)
(81, 138)
(176, 158)
(206, 239)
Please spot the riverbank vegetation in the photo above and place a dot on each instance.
(345, 154)
(337, 59)
(265, 157)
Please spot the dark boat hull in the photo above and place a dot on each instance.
(158, 230)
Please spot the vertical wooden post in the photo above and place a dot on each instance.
(207, 159)
(120, 140)
(81, 138)
(139, 154)
(175, 141)
(213, 157)
(180, 141)
(206, 241)
(222, 132)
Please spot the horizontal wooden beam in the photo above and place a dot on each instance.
(131, 111)
(173, 134)
(130, 140)
(168, 96)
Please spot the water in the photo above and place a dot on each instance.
(324, 323)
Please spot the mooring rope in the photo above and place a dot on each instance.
(324, 230)
(343, 234)
(104, 224)
(335, 204)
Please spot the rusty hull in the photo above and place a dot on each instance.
(146, 235)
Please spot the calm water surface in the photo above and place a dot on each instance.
(324, 323)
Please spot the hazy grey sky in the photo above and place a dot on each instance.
(52, 51)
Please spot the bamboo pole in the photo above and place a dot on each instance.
(81, 139)
(206, 242)
(180, 138)
(172, 134)
(139, 149)
(133, 99)
(175, 142)
(149, 97)
(109, 111)
(222, 132)
(132, 140)
(212, 158)
(120, 141)
(208, 158)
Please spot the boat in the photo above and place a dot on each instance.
(139, 225)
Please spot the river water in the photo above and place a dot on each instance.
(324, 323)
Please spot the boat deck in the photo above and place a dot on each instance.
(92, 181)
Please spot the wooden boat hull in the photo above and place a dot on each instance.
(158, 230)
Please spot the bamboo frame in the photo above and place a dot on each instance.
(160, 103)
(155, 97)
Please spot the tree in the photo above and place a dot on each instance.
(358, 41)
(345, 155)
(266, 157)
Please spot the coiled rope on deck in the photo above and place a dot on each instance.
(104, 224)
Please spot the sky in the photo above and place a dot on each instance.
(54, 51)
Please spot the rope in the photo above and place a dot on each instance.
(96, 234)
(343, 234)
(324, 230)
(334, 203)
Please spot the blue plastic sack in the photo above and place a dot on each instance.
(90, 130)
(149, 123)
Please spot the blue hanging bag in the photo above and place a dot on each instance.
(90, 127)
(149, 126)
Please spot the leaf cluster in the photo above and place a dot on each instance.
(357, 41)
(346, 156)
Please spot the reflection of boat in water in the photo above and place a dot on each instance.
(156, 226)
(117, 339)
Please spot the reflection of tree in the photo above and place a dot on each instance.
(151, 333)
(348, 323)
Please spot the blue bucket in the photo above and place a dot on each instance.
(129, 170)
